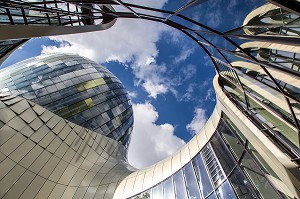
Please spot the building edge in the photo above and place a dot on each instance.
(285, 179)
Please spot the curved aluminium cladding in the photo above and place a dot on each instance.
(285, 60)
(271, 20)
(45, 156)
(76, 89)
(285, 56)
(255, 69)
(236, 163)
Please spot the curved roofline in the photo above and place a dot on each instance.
(262, 9)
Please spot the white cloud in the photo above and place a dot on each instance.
(193, 88)
(185, 52)
(151, 142)
(130, 41)
(132, 94)
(188, 96)
(154, 88)
(231, 5)
(189, 71)
(198, 121)
(210, 95)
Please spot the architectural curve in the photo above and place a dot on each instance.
(249, 148)
(271, 19)
(292, 80)
(75, 88)
(44, 155)
(145, 180)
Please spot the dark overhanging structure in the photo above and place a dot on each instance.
(277, 118)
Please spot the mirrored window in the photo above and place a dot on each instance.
(157, 192)
(241, 185)
(169, 189)
(202, 176)
(236, 146)
(257, 177)
(191, 182)
(225, 191)
(180, 186)
(224, 156)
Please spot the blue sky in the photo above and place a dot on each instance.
(167, 75)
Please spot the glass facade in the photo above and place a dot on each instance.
(261, 104)
(226, 167)
(76, 89)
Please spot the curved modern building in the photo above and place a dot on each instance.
(63, 133)
(76, 89)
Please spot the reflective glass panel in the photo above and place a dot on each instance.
(191, 182)
(180, 186)
(169, 189)
(212, 196)
(259, 180)
(234, 143)
(157, 192)
(202, 176)
(241, 185)
(224, 156)
(232, 126)
(225, 191)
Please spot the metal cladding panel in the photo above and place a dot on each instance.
(56, 163)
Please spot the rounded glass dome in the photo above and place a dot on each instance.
(76, 89)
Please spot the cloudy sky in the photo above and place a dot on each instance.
(168, 77)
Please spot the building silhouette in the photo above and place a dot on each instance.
(249, 147)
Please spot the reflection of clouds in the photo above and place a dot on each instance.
(132, 94)
(4, 90)
(36, 85)
(210, 95)
(29, 95)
